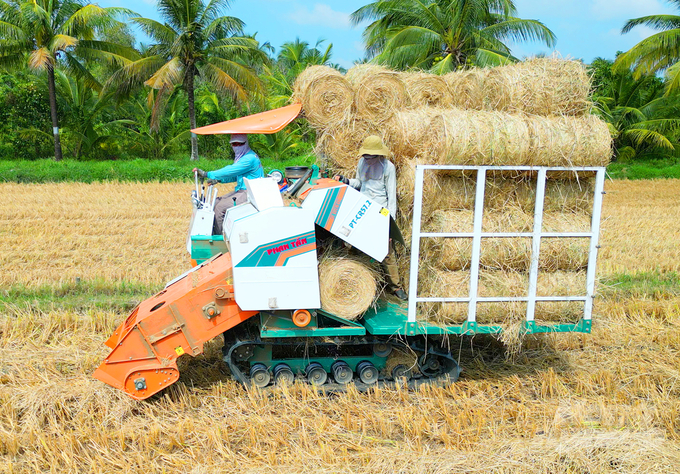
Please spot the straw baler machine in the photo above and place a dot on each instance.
(263, 296)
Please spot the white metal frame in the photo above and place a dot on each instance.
(477, 236)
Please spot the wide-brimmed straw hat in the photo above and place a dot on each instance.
(373, 145)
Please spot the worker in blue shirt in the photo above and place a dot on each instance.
(246, 165)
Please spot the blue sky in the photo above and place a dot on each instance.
(585, 29)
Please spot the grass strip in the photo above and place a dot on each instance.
(50, 171)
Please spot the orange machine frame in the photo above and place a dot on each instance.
(176, 321)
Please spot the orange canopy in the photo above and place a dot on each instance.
(265, 122)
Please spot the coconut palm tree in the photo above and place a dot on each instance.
(659, 52)
(443, 35)
(45, 33)
(641, 119)
(195, 40)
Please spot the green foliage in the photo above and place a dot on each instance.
(656, 53)
(445, 35)
(643, 121)
(23, 109)
(645, 169)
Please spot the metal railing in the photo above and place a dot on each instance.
(477, 235)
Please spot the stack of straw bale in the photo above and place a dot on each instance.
(531, 113)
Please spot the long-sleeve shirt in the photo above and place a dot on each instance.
(248, 166)
(383, 191)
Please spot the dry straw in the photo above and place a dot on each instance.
(463, 137)
(378, 92)
(426, 89)
(467, 88)
(541, 86)
(325, 95)
(348, 284)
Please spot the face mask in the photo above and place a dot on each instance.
(372, 167)
(240, 149)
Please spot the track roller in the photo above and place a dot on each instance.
(342, 373)
(316, 375)
(283, 375)
(401, 372)
(367, 372)
(382, 349)
(259, 375)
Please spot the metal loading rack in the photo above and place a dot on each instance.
(470, 326)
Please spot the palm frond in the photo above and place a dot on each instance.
(656, 22)
(166, 76)
(39, 59)
(156, 30)
(643, 137)
(62, 42)
(516, 29)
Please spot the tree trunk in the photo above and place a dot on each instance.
(192, 112)
(53, 112)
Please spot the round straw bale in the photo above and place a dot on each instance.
(339, 147)
(325, 95)
(569, 141)
(348, 286)
(418, 132)
(378, 92)
(540, 86)
(426, 89)
(467, 88)
(508, 254)
(485, 138)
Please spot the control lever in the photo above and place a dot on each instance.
(299, 183)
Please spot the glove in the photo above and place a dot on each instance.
(341, 178)
(212, 182)
(200, 173)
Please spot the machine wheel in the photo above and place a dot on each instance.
(259, 375)
(316, 375)
(283, 375)
(400, 372)
(429, 365)
(342, 373)
(367, 372)
(382, 349)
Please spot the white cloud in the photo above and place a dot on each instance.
(626, 9)
(321, 15)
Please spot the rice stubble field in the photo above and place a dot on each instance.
(75, 257)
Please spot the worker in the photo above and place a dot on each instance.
(246, 165)
(377, 178)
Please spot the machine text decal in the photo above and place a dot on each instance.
(360, 214)
(277, 254)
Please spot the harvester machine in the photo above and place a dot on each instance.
(257, 285)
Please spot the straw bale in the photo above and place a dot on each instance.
(415, 133)
(325, 95)
(540, 86)
(426, 89)
(467, 88)
(459, 137)
(456, 191)
(348, 284)
(569, 141)
(378, 92)
(452, 284)
(510, 254)
(338, 148)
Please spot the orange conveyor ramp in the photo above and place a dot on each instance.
(176, 321)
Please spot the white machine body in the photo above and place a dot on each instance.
(273, 251)
(352, 217)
